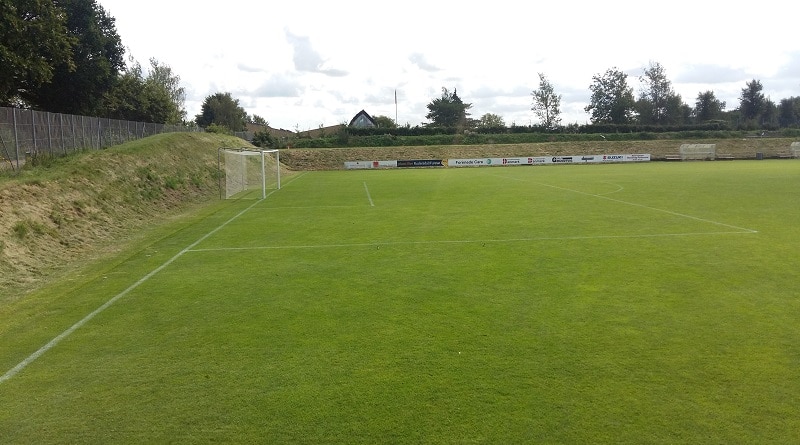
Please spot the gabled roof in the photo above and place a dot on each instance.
(361, 120)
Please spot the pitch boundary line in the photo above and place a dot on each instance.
(55, 341)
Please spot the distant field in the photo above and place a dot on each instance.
(645, 303)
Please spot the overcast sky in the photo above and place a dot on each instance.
(301, 64)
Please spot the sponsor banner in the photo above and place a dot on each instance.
(638, 158)
(547, 160)
(422, 163)
(561, 160)
(613, 158)
(499, 162)
(468, 162)
(495, 162)
(351, 165)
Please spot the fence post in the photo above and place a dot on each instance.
(16, 135)
(33, 132)
(61, 127)
(49, 116)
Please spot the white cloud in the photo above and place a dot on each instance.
(303, 63)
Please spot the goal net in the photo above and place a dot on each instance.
(698, 151)
(248, 174)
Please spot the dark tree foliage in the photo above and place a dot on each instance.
(384, 121)
(448, 111)
(263, 139)
(707, 107)
(221, 109)
(612, 99)
(789, 112)
(98, 57)
(33, 37)
(752, 102)
(138, 98)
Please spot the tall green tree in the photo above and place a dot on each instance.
(33, 40)
(223, 110)
(752, 102)
(546, 104)
(151, 98)
(789, 112)
(98, 57)
(658, 103)
(164, 81)
(707, 107)
(612, 100)
(448, 110)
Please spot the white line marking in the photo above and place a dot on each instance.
(619, 189)
(52, 343)
(670, 212)
(496, 241)
(268, 208)
(366, 189)
(602, 196)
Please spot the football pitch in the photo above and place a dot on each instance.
(643, 303)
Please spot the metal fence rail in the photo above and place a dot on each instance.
(26, 134)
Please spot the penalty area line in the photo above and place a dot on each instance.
(55, 341)
(479, 241)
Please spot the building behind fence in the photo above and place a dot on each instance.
(26, 134)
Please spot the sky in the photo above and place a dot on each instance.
(304, 64)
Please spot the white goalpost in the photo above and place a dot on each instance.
(248, 174)
(698, 152)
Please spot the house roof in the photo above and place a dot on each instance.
(362, 119)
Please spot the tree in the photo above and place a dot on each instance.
(384, 122)
(789, 112)
(222, 110)
(258, 120)
(33, 39)
(163, 80)
(98, 57)
(707, 107)
(448, 111)
(547, 104)
(612, 99)
(752, 102)
(263, 139)
(491, 121)
(155, 98)
(658, 104)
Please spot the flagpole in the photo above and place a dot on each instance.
(395, 107)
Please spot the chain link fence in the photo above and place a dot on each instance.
(28, 134)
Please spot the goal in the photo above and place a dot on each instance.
(248, 174)
(698, 151)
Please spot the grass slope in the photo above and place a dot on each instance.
(84, 206)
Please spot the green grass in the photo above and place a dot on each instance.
(647, 303)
